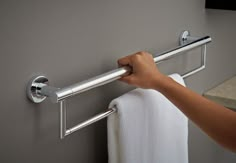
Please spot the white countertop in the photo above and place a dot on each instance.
(224, 94)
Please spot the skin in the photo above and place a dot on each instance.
(215, 120)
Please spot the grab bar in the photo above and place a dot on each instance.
(38, 88)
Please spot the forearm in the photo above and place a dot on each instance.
(217, 121)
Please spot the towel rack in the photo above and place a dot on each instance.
(38, 88)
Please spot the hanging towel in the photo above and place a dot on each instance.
(147, 128)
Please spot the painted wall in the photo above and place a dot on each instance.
(70, 41)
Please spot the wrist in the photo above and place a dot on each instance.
(161, 82)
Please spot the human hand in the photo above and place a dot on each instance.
(144, 71)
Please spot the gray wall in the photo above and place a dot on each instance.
(70, 41)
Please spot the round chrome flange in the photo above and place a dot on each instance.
(184, 37)
(34, 86)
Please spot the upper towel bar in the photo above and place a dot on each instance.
(38, 88)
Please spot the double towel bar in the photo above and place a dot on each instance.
(38, 89)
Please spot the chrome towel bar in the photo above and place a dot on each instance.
(38, 88)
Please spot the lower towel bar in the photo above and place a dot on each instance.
(64, 132)
(38, 88)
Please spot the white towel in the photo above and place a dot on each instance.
(147, 128)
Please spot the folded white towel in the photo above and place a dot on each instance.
(147, 128)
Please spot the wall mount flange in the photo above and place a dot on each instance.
(34, 87)
(184, 36)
